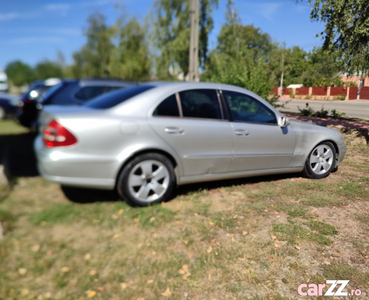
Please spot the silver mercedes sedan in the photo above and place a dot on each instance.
(145, 140)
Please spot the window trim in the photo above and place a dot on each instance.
(179, 105)
(224, 117)
(198, 118)
(230, 115)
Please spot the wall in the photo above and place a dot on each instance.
(355, 79)
(325, 93)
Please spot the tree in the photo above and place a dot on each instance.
(240, 56)
(131, 59)
(93, 59)
(171, 35)
(20, 73)
(323, 68)
(346, 30)
(236, 39)
(47, 69)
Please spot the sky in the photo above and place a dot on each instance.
(36, 30)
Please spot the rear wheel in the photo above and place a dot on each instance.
(321, 161)
(147, 179)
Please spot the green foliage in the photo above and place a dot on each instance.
(323, 68)
(248, 74)
(273, 100)
(240, 57)
(171, 32)
(94, 58)
(350, 84)
(322, 113)
(346, 30)
(292, 94)
(20, 73)
(47, 69)
(131, 59)
(237, 40)
(307, 111)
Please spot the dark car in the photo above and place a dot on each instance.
(9, 105)
(68, 92)
(39, 88)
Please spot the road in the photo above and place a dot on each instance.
(352, 108)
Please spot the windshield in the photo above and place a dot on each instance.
(114, 98)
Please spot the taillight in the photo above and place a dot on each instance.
(56, 135)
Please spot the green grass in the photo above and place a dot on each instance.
(297, 212)
(97, 213)
(11, 127)
(358, 279)
(295, 234)
(322, 228)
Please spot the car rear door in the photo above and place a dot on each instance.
(192, 123)
(259, 142)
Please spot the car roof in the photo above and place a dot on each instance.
(99, 81)
(180, 85)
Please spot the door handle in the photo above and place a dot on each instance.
(241, 132)
(174, 130)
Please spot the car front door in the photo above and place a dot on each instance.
(259, 142)
(192, 123)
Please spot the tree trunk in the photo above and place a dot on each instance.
(361, 84)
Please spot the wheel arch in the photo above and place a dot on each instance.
(145, 151)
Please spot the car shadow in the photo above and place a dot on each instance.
(358, 133)
(85, 195)
(212, 185)
(17, 155)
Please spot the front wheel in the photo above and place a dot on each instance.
(147, 179)
(321, 161)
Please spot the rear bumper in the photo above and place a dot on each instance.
(74, 170)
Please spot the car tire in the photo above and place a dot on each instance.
(147, 179)
(321, 161)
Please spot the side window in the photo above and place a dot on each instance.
(168, 107)
(200, 104)
(89, 92)
(247, 109)
(114, 88)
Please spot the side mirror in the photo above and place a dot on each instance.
(283, 122)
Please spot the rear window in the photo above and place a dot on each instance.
(114, 98)
(51, 91)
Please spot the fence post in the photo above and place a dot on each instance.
(347, 93)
